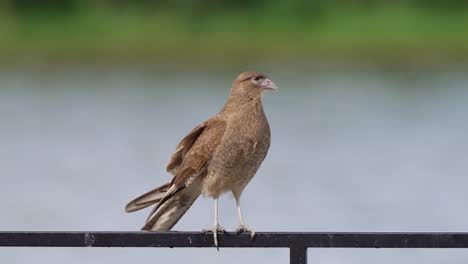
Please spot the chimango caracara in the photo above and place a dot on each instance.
(220, 155)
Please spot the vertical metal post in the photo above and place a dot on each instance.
(297, 254)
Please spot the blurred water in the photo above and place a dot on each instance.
(352, 150)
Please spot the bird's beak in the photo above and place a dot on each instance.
(268, 84)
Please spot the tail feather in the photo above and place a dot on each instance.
(171, 209)
(147, 199)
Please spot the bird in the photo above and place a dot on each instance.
(222, 154)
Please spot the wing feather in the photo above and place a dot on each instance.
(189, 164)
(147, 199)
(183, 147)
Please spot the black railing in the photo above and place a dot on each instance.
(296, 242)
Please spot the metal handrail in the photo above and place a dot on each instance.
(297, 242)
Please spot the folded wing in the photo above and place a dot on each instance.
(189, 165)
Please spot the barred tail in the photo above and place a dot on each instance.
(147, 199)
(171, 208)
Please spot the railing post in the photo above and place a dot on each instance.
(297, 254)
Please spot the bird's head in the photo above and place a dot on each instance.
(252, 83)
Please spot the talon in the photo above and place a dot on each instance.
(215, 229)
(221, 229)
(243, 228)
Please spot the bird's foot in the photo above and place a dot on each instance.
(243, 228)
(215, 229)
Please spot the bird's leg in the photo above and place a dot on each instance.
(242, 227)
(216, 228)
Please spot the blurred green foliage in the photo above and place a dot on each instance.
(208, 6)
(229, 30)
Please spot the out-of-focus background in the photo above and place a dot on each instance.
(368, 128)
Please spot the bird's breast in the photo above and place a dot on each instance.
(239, 155)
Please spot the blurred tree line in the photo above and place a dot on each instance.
(228, 30)
(207, 6)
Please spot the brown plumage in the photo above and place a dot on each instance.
(221, 154)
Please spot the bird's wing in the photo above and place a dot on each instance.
(155, 195)
(193, 153)
(183, 147)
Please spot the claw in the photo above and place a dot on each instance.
(244, 228)
(215, 229)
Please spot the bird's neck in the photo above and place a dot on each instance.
(243, 104)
